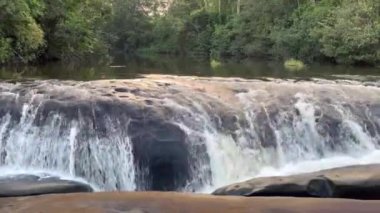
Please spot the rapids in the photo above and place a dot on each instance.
(185, 133)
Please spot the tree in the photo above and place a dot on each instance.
(351, 33)
(129, 27)
(74, 28)
(295, 38)
(250, 31)
(342, 31)
(21, 36)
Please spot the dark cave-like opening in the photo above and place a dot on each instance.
(161, 154)
(163, 176)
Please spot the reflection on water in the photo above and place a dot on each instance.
(124, 67)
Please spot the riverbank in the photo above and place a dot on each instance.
(152, 202)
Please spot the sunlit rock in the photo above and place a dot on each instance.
(356, 182)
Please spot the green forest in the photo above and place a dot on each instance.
(336, 31)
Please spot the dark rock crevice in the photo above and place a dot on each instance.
(161, 153)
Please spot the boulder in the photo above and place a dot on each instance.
(28, 185)
(355, 182)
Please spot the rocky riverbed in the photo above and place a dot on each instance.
(188, 134)
(359, 183)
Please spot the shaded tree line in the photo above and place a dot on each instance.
(339, 31)
(43, 30)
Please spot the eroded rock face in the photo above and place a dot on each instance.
(28, 185)
(356, 182)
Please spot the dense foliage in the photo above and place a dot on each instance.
(341, 31)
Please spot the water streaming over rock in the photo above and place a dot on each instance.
(183, 133)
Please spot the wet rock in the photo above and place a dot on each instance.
(29, 185)
(164, 84)
(230, 121)
(149, 102)
(371, 84)
(107, 95)
(240, 90)
(321, 187)
(265, 131)
(121, 89)
(355, 182)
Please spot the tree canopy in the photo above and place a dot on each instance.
(340, 31)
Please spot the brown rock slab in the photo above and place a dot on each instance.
(155, 202)
(356, 182)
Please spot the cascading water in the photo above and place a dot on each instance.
(56, 147)
(185, 134)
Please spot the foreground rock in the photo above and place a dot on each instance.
(152, 202)
(27, 185)
(357, 182)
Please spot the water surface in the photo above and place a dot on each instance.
(124, 67)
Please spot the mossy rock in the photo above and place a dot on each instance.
(294, 65)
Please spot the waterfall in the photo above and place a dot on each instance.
(185, 134)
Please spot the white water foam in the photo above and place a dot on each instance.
(306, 166)
(306, 150)
(321, 164)
(106, 163)
(59, 146)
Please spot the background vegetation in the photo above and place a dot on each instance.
(339, 31)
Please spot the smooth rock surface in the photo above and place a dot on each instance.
(357, 182)
(155, 202)
(28, 185)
